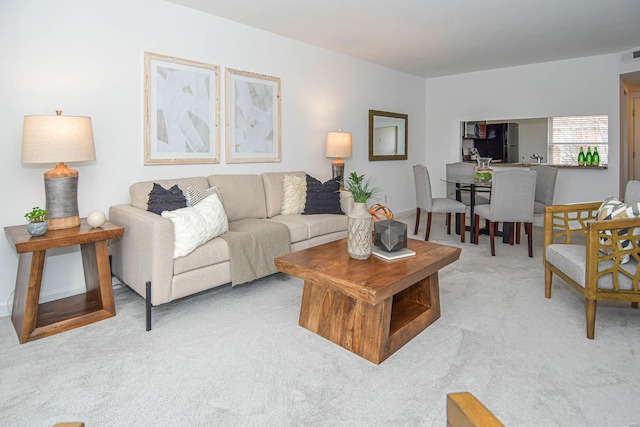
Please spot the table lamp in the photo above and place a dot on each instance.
(59, 139)
(338, 145)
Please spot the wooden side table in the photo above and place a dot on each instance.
(33, 320)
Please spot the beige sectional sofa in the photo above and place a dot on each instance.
(145, 253)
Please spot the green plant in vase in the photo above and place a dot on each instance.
(360, 225)
(37, 221)
(361, 188)
(36, 215)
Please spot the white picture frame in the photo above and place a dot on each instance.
(182, 111)
(252, 117)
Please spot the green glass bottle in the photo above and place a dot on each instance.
(588, 158)
(581, 157)
(596, 157)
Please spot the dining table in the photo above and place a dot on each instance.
(474, 188)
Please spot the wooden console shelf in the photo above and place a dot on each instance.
(33, 320)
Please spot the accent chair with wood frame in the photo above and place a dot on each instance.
(545, 187)
(597, 267)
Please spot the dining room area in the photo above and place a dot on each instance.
(484, 205)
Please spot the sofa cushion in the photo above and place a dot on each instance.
(322, 198)
(209, 253)
(242, 195)
(195, 225)
(298, 230)
(294, 194)
(165, 199)
(139, 192)
(322, 224)
(274, 192)
(303, 227)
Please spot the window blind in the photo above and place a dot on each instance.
(568, 134)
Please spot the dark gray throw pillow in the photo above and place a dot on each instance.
(161, 199)
(322, 198)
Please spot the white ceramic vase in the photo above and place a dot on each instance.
(359, 240)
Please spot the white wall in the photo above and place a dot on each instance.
(86, 58)
(561, 88)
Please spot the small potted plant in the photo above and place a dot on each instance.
(361, 188)
(359, 241)
(37, 218)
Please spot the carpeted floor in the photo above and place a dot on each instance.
(236, 357)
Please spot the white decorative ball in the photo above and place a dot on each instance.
(96, 219)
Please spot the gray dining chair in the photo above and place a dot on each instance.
(462, 171)
(545, 187)
(632, 192)
(512, 200)
(425, 201)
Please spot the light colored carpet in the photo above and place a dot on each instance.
(237, 357)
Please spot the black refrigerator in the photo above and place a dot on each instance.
(501, 143)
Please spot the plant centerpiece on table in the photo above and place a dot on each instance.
(359, 241)
(37, 218)
(361, 188)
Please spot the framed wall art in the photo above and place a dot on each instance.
(252, 117)
(182, 111)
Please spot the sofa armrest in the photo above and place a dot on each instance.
(145, 252)
(346, 201)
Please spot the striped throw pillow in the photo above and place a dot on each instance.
(196, 195)
(613, 208)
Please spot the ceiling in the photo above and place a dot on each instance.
(432, 38)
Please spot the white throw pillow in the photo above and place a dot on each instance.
(294, 198)
(198, 224)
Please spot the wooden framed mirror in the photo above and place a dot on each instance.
(388, 135)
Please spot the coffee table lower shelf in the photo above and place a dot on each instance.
(373, 332)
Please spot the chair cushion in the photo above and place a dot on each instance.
(482, 211)
(444, 205)
(571, 260)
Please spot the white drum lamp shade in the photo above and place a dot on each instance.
(58, 139)
(338, 145)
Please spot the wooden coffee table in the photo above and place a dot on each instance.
(371, 307)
